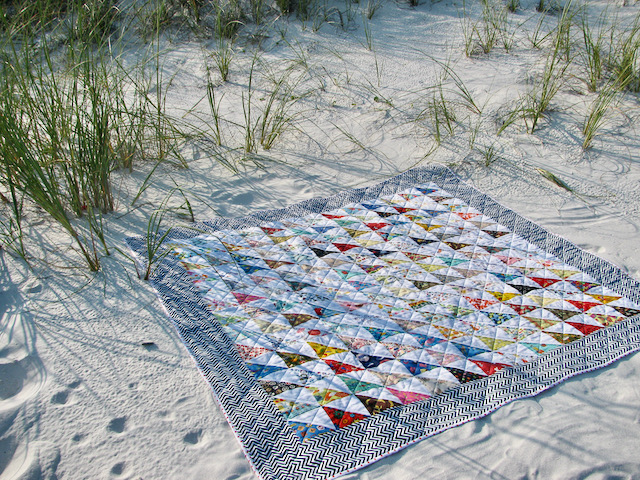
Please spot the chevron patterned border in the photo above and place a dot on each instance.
(275, 451)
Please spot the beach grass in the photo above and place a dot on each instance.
(69, 119)
(75, 111)
(599, 112)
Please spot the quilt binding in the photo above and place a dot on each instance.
(254, 417)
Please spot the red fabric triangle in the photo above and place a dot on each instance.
(351, 305)
(344, 247)
(376, 225)
(340, 367)
(584, 306)
(584, 328)
(488, 367)
(544, 282)
(340, 418)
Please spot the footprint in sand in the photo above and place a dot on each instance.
(62, 397)
(193, 437)
(75, 384)
(117, 425)
(242, 199)
(118, 468)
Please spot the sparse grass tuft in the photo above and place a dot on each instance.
(540, 33)
(274, 114)
(277, 113)
(229, 19)
(594, 51)
(494, 28)
(372, 7)
(623, 61)
(489, 153)
(367, 33)
(69, 117)
(223, 57)
(538, 100)
(442, 114)
(598, 113)
(155, 237)
(214, 108)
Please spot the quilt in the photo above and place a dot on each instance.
(339, 330)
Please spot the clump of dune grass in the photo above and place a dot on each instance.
(538, 100)
(448, 108)
(214, 108)
(25, 172)
(69, 119)
(266, 120)
(229, 18)
(493, 29)
(489, 153)
(594, 53)
(223, 57)
(599, 113)
(277, 112)
(222, 18)
(250, 124)
(623, 60)
(87, 21)
(155, 236)
(57, 141)
(442, 114)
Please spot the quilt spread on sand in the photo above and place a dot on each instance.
(340, 330)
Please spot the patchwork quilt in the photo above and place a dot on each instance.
(340, 330)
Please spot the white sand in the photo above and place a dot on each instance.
(81, 397)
